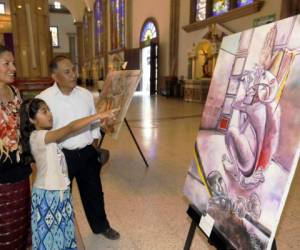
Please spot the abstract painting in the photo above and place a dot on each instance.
(117, 92)
(248, 144)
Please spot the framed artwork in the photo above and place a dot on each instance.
(117, 92)
(248, 145)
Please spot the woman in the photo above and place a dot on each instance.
(14, 172)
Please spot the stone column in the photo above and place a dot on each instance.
(72, 46)
(30, 26)
(174, 37)
(79, 31)
(90, 36)
(43, 36)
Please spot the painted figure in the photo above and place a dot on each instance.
(254, 140)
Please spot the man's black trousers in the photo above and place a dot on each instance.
(84, 165)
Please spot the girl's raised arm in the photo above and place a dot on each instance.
(58, 134)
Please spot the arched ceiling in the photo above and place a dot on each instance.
(76, 7)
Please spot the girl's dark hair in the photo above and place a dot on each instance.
(28, 110)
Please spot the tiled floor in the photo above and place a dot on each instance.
(147, 205)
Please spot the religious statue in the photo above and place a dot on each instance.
(202, 59)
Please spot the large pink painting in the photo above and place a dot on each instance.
(247, 147)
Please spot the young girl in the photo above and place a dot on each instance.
(52, 218)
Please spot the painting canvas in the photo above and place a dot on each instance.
(117, 92)
(247, 146)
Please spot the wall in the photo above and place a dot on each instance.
(65, 25)
(186, 40)
(160, 10)
(76, 7)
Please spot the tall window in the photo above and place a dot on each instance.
(220, 7)
(117, 8)
(99, 27)
(241, 3)
(54, 35)
(57, 5)
(201, 10)
(2, 8)
(149, 31)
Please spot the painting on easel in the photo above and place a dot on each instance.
(248, 144)
(117, 92)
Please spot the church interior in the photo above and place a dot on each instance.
(175, 44)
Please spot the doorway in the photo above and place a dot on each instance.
(149, 57)
(146, 69)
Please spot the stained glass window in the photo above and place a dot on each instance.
(201, 10)
(220, 7)
(99, 27)
(117, 24)
(241, 3)
(149, 31)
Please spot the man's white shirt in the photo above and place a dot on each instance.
(67, 108)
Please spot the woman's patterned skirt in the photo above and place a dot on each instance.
(52, 220)
(15, 215)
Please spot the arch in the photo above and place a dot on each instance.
(149, 44)
(149, 32)
(76, 8)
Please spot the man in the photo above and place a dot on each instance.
(69, 102)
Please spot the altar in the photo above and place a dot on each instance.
(196, 90)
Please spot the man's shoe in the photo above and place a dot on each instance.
(111, 234)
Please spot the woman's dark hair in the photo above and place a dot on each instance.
(29, 109)
(4, 49)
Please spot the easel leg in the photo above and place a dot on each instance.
(274, 246)
(136, 143)
(190, 236)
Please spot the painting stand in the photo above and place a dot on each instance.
(133, 137)
(136, 143)
(215, 239)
